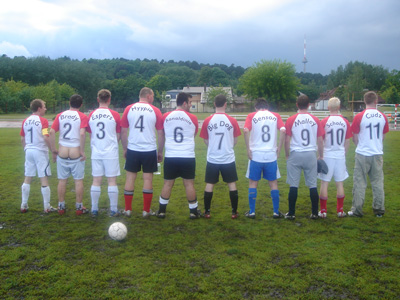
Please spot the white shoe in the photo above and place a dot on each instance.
(24, 208)
(352, 214)
(148, 214)
(50, 209)
(341, 214)
(322, 214)
(127, 213)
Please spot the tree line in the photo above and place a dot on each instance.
(55, 80)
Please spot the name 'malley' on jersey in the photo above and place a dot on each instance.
(180, 128)
(104, 125)
(220, 130)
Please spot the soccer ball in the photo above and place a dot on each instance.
(117, 231)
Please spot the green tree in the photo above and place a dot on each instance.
(215, 91)
(273, 80)
(391, 89)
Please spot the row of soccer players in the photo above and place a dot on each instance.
(304, 137)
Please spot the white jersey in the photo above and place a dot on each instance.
(143, 120)
(337, 131)
(104, 124)
(180, 128)
(304, 130)
(34, 128)
(69, 123)
(220, 130)
(263, 126)
(370, 125)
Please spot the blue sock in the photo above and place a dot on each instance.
(275, 200)
(252, 199)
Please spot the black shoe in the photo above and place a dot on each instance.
(290, 217)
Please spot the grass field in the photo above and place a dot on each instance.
(51, 256)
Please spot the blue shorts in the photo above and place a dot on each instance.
(269, 170)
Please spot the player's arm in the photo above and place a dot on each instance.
(205, 141)
(282, 136)
(23, 142)
(124, 139)
(161, 143)
(355, 139)
(118, 136)
(246, 135)
(320, 145)
(235, 140)
(346, 145)
(287, 146)
(82, 143)
(52, 140)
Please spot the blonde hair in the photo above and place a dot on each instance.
(334, 104)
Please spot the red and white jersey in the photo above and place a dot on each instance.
(263, 126)
(220, 130)
(142, 119)
(304, 129)
(180, 128)
(337, 131)
(370, 125)
(69, 123)
(34, 128)
(104, 124)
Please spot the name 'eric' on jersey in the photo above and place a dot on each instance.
(220, 130)
(180, 128)
(104, 124)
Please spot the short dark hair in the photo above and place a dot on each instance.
(303, 101)
(104, 95)
(370, 97)
(182, 98)
(76, 101)
(36, 104)
(220, 100)
(261, 103)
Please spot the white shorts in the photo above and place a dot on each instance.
(337, 170)
(37, 161)
(107, 167)
(67, 167)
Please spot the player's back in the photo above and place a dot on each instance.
(104, 125)
(337, 130)
(69, 124)
(220, 129)
(33, 130)
(142, 119)
(180, 128)
(304, 130)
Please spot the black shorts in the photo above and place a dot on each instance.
(135, 160)
(228, 172)
(175, 167)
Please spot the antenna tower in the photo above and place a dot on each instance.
(305, 58)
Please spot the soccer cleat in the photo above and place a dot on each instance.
(196, 215)
(352, 214)
(341, 214)
(322, 214)
(61, 210)
(250, 215)
(81, 211)
(114, 213)
(379, 215)
(161, 215)
(207, 214)
(235, 215)
(278, 215)
(290, 217)
(313, 217)
(24, 208)
(49, 210)
(95, 213)
(127, 213)
(148, 214)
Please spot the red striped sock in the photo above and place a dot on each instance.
(128, 196)
(340, 200)
(322, 203)
(147, 198)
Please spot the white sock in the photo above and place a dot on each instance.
(61, 205)
(193, 205)
(25, 188)
(95, 195)
(163, 201)
(78, 205)
(46, 196)
(113, 195)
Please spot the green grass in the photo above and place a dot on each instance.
(50, 256)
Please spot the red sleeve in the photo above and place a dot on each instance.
(204, 131)
(124, 120)
(117, 119)
(22, 132)
(159, 116)
(195, 122)
(56, 124)
(236, 128)
(280, 123)
(320, 130)
(248, 124)
(386, 127)
(84, 119)
(355, 126)
(289, 124)
(165, 116)
(349, 134)
(45, 125)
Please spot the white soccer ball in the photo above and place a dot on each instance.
(117, 231)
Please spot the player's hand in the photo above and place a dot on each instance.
(249, 154)
(54, 154)
(83, 156)
(159, 157)
(125, 153)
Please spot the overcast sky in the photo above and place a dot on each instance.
(206, 31)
